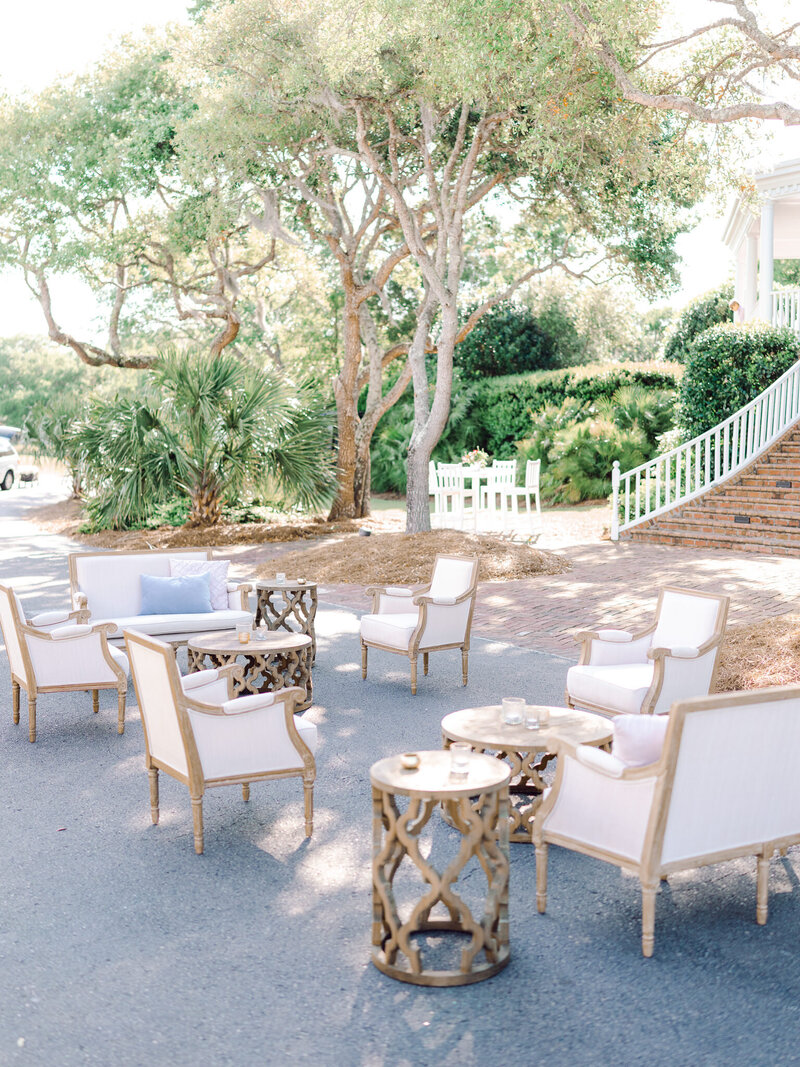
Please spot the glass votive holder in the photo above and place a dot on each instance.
(544, 717)
(243, 631)
(533, 717)
(280, 577)
(513, 710)
(460, 752)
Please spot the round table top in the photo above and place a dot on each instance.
(485, 727)
(432, 777)
(287, 583)
(227, 641)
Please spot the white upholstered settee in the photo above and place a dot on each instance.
(107, 584)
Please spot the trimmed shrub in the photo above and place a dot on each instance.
(703, 313)
(727, 367)
(510, 340)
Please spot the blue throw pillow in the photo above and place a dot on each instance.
(190, 595)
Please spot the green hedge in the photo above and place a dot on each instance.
(502, 407)
(495, 413)
(703, 313)
(728, 366)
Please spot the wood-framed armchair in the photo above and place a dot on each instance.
(56, 652)
(424, 618)
(689, 808)
(645, 672)
(196, 732)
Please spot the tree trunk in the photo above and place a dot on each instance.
(345, 392)
(206, 509)
(418, 513)
(429, 419)
(363, 479)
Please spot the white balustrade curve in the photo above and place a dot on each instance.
(687, 471)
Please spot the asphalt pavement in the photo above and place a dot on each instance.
(118, 945)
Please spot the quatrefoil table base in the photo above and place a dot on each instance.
(270, 663)
(478, 808)
(288, 605)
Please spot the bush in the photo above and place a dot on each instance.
(705, 312)
(496, 413)
(727, 367)
(578, 443)
(504, 406)
(585, 454)
(509, 340)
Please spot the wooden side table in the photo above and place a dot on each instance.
(478, 807)
(526, 751)
(272, 662)
(295, 611)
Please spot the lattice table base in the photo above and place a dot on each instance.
(264, 672)
(483, 823)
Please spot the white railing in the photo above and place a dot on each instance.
(689, 470)
(786, 309)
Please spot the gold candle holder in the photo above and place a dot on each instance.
(244, 637)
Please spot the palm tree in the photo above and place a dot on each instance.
(212, 429)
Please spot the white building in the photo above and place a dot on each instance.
(757, 239)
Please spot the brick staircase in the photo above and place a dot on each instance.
(757, 510)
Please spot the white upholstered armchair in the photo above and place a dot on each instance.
(55, 652)
(675, 658)
(196, 732)
(704, 800)
(424, 618)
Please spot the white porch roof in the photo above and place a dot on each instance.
(781, 185)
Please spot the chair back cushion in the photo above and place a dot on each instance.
(156, 680)
(721, 798)
(686, 619)
(11, 615)
(189, 595)
(453, 575)
(639, 739)
(111, 580)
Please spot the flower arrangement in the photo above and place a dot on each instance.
(476, 458)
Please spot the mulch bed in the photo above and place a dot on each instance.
(756, 655)
(399, 558)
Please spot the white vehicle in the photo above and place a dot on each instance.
(9, 463)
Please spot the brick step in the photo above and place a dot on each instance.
(751, 498)
(755, 481)
(760, 546)
(726, 506)
(728, 530)
(769, 467)
(723, 520)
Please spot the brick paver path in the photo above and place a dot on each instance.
(616, 586)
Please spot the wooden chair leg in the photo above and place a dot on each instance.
(762, 890)
(121, 713)
(197, 819)
(245, 791)
(308, 796)
(15, 703)
(363, 660)
(153, 773)
(425, 662)
(541, 878)
(95, 701)
(648, 918)
(31, 719)
(464, 665)
(413, 675)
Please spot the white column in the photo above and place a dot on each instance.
(751, 277)
(767, 260)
